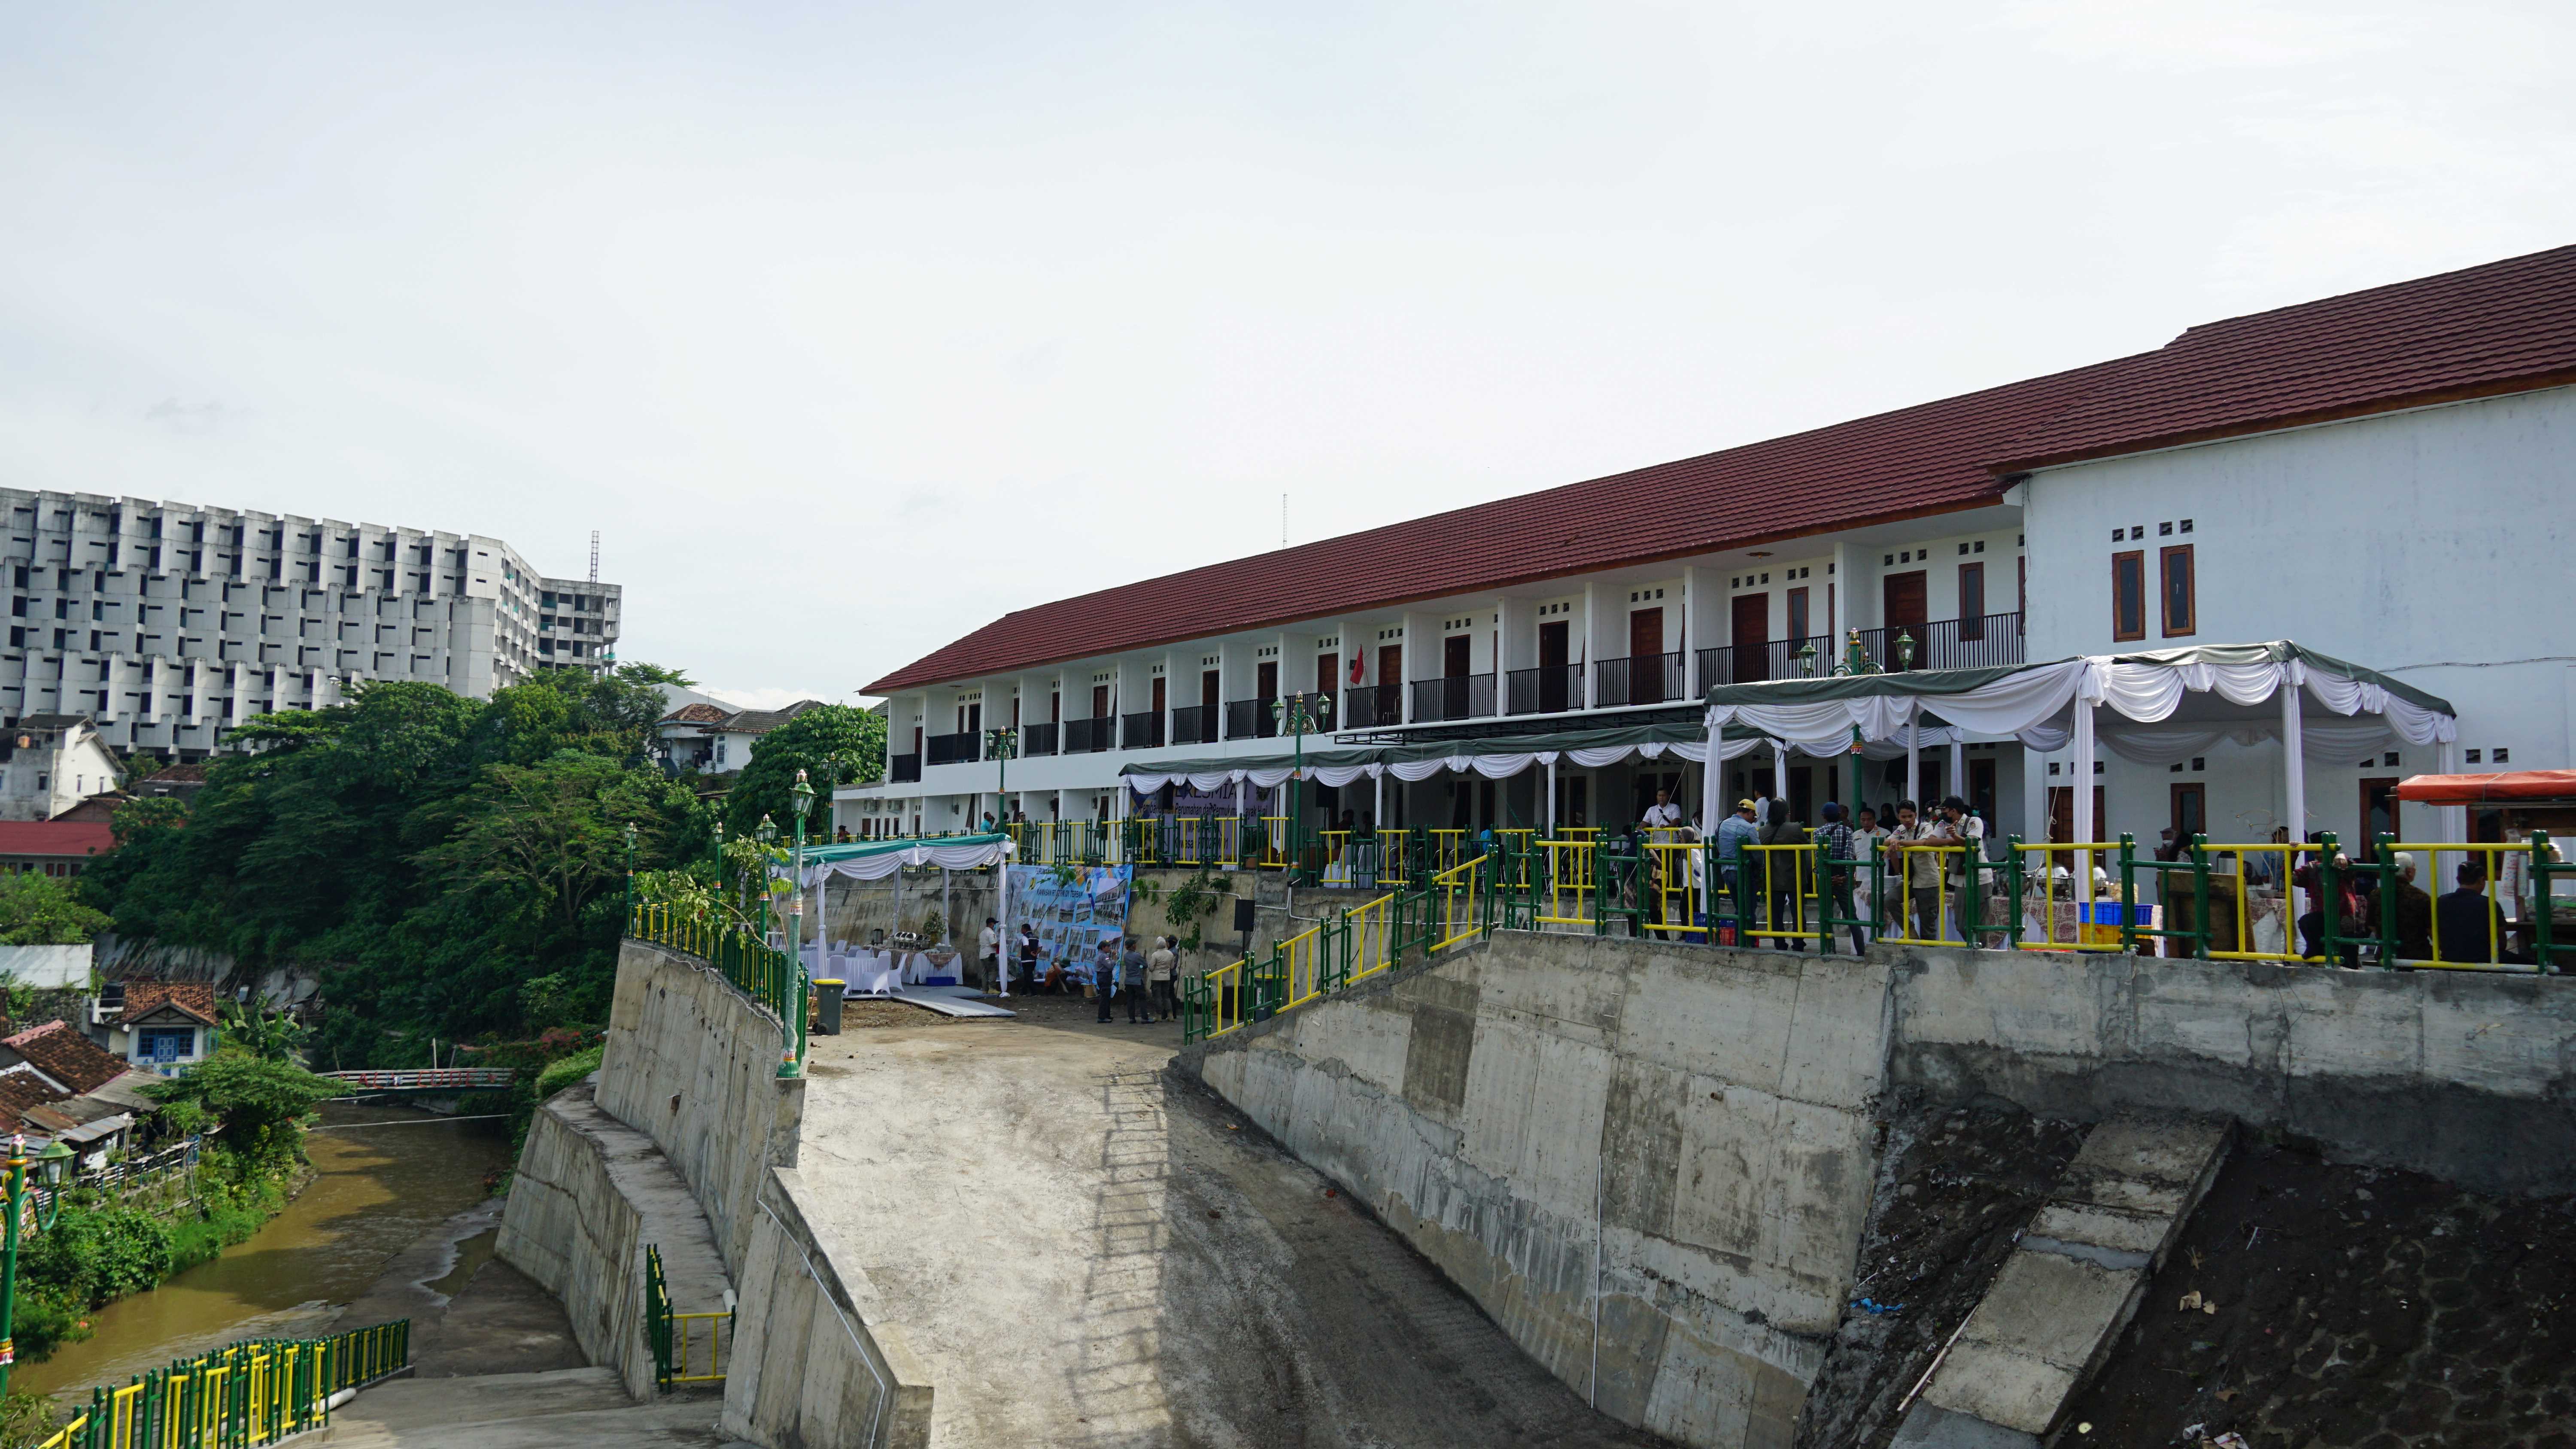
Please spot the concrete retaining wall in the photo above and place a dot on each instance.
(810, 1369)
(691, 1063)
(1652, 1164)
(2468, 1076)
(569, 1228)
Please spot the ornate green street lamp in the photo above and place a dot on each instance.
(1904, 649)
(630, 872)
(1296, 714)
(794, 1060)
(767, 835)
(1807, 660)
(50, 1165)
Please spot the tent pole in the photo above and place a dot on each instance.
(1914, 764)
(2082, 799)
(1957, 784)
(1780, 772)
(1551, 794)
(2294, 762)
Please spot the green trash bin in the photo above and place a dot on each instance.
(827, 1006)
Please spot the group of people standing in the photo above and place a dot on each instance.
(1927, 850)
(1110, 970)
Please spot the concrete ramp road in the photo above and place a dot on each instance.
(582, 1406)
(1086, 1251)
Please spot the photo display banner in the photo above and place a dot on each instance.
(1074, 910)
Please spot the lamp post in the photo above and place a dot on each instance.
(50, 1165)
(1904, 649)
(804, 795)
(1000, 745)
(1296, 714)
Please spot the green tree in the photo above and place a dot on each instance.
(37, 910)
(260, 1103)
(271, 1036)
(835, 743)
(154, 812)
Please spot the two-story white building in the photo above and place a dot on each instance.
(2382, 477)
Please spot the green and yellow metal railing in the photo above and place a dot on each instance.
(255, 1392)
(770, 977)
(688, 1348)
(2089, 896)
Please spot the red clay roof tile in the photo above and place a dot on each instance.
(67, 1056)
(1914, 461)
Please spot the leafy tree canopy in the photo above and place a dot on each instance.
(834, 743)
(433, 855)
(36, 910)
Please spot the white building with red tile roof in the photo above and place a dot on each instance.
(2381, 476)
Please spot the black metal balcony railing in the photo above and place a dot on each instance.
(1142, 731)
(1548, 689)
(1973, 643)
(1250, 719)
(1194, 724)
(907, 769)
(1372, 706)
(954, 749)
(1089, 736)
(1038, 739)
(1639, 679)
(1771, 659)
(1460, 696)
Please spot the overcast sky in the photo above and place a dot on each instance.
(852, 327)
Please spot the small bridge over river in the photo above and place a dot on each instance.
(439, 1080)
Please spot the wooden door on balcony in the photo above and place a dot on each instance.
(1748, 630)
(1100, 701)
(1159, 698)
(1901, 602)
(1328, 675)
(1453, 656)
(1208, 682)
(1646, 656)
(1390, 668)
(1553, 644)
(1268, 686)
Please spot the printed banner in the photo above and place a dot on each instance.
(1073, 909)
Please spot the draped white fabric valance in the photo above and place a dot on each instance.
(2027, 703)
(880, 864)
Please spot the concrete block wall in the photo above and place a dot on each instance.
(2467, 1076)
(691, 1063)
(1651, 1164)
(810, 1368)
(569, 1228)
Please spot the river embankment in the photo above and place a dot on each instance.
(388, 1183)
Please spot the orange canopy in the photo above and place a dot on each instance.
(2515, 787)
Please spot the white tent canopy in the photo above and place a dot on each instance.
(2164, 706)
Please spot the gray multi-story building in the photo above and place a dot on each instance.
(169, 624)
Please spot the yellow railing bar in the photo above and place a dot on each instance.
(681, 1339)
(1457, 882)
(1372, 922)
(1301, 957)
(1673, 885)
(1569, 873)
(2286, 865)
(2432, 852)
(2082, 892)
(1225, 998)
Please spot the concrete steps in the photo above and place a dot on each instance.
(582, 1406)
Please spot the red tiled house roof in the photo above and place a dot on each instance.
(2508, 326)
(66, 1056)
(697, 714)
(193, 997)
(21, 1092)
(56, 837)
(1915, 461)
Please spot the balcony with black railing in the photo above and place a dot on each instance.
(1548, 689)
(1038, 739)
(1638, 679)
(906, 769)
(1194, 724)
(1090, 736)
(1250, 719)
(1980, 642)
(1143, 731)
(1770, 659)
(1371, 706)
(963, 749)
(1459, 696)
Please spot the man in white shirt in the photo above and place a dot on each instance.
(988, 954)
(1663, 814)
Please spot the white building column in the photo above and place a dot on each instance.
(1549, 811)
(1958, 782)
(2294, 759)
(1914, 765)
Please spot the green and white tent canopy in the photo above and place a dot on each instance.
(1495, 758)
(877, 859)
(2163, 705)
(2036, 702)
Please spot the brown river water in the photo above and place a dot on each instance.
(385, 1176)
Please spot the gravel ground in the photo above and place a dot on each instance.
(2354, 1308)
(1955, 1185)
